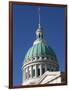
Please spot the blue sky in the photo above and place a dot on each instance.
(25, 23)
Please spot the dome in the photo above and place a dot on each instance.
(39, 49)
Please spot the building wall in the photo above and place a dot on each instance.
(46, 78)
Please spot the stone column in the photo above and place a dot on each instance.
(40, 69)
(31, 71)
(36, 70)
(45, 68)
(27, 72)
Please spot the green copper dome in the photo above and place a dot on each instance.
(39, 48)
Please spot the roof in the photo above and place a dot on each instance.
(39, 48)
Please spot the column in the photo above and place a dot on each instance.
(27, 72)
(45, 68)
(40, 69)
(31, 71)
(36, 70)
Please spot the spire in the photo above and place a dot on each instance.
(39, 16)
(39, 31)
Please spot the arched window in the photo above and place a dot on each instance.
(39, 35)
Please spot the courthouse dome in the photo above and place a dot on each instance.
(40, 48)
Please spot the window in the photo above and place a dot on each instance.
(48, 68)
(42, 57)
(51, 68)
(52, 58)
(38, 72)
(39, 35)
(33, 58)
(33, 72)
(47, 58)
(43, 70)
(37, 57)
